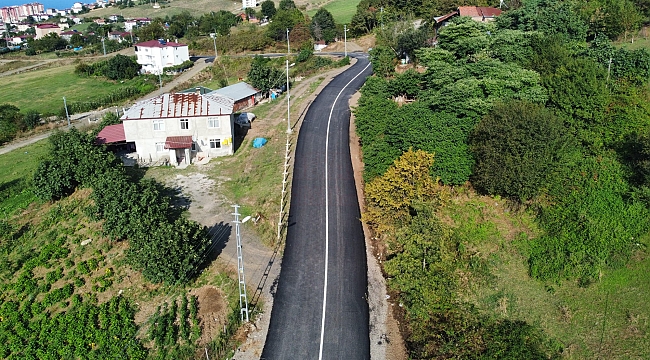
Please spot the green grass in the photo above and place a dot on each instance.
(43, 90)
(83, 27)
(21, 163)
(342, 10)
(195, 7)
(606, 320)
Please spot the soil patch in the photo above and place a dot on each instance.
(213, 312)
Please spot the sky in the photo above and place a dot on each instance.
(57, 4)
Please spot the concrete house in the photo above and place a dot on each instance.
(44, 29)
(180, 128)
(155, 55)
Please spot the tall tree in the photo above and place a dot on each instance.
(268, 8)
(287, 5)
(323, 26)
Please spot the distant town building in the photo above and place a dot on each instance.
(248, 3)
(155, 55)
(15, 14)
(77, 8)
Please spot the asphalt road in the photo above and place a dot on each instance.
(320, 309)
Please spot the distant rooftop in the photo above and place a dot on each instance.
(158, 44)
(178, 105)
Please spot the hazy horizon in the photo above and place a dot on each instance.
(57, 4)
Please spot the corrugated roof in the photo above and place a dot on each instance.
(111, 134)
(178, 105)
(238, 91)
(178, 142)
(443, 18)
(158, 44)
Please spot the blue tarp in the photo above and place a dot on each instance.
(259, 142)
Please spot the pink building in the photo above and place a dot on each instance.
(14, 14)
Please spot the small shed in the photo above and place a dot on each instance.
(243, 95)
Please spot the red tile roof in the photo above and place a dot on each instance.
(111, 134)
(490, 12)
(178, 142)
(47, 26)
(158, 44)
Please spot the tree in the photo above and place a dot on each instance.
(391, 196)
(268, 8)
(287, 5)
(151, 31)
(515, 146)
(548, 16)
(76, 40)
(264, 77)
(383, 60)
(410, 41)
(323, 26)
(121, 67)
(283, 20)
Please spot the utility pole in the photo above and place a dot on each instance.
(160, 79)
(288, 45)
(288, 103)
(345, 37)
(104, 46)
(243, 299)
(214, 40)
(382, 18)
(67, 115)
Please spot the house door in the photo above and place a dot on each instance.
(180, 156)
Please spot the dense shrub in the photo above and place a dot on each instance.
(137, 211)
(515, 146)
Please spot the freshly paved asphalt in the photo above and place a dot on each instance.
(296, 330)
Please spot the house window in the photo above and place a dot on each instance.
(215, 143)
(160, 147)
(193, 146)
(185, 124)
(213, 122)
(159, 125)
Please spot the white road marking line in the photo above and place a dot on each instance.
(327, 216)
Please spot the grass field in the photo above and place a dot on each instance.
(43, 90)
(173, 7)
(342, 10)
(606, 320)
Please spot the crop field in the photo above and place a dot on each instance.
(43, 90)
(67, 293)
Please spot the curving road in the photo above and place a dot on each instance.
(320, 309)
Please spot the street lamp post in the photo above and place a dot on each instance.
(288, 44)
(345, 37)
(67, 115)
(104, 46)
(288, 98)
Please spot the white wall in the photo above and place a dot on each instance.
(145, 137)
(154, 59)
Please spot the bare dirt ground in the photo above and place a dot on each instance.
(385, 339)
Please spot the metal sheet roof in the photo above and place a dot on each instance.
(178, 142)
(177, 105)
(238, 91)
(111, 134)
